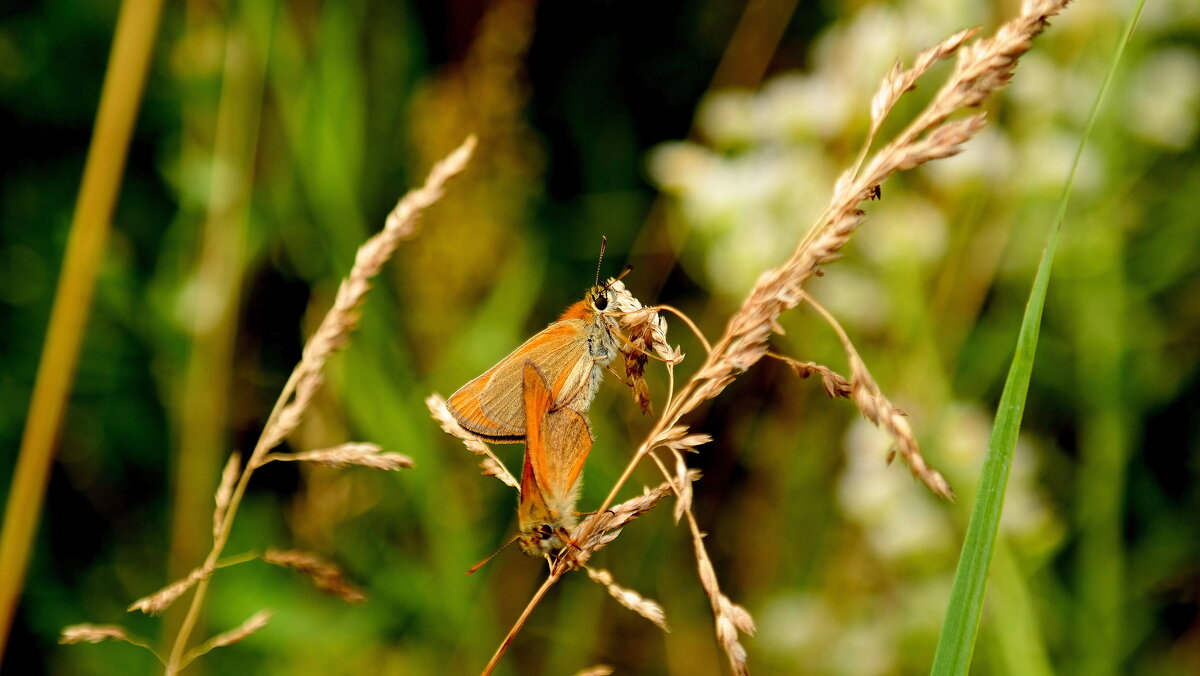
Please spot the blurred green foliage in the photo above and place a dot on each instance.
(274, 138)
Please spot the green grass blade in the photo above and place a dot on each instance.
(957, 641)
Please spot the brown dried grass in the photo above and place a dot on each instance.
(346, 455)
(632, 600)
(252, 624)
(332, 335)
(324, 575)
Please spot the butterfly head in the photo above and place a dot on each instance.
(600, 297)
(543, 538)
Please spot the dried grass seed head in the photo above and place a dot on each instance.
(92, 633)
(162, 599)
(491, 465)
(324, 575)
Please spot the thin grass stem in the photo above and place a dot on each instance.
(956, 644)
(554, 577)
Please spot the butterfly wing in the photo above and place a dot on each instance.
(490, 406)
(557, 444)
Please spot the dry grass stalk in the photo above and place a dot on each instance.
(345, 455)
(880, 411)
(677, 439)
(133, 49)
(597, 530)
(324, 575)
(598, 670)
(332, 334)
(630, 599)
(224, 495)
(156, 603)
(729, 617)
(865, 393)
(492, 466)
(341, 320)
(251, 625)
(900, 81)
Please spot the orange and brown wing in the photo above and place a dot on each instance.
(557, 444)
(490, 406)
(537, 404)
(567, 437)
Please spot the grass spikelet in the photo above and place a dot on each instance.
(224, 494)
(602, 527)
(345, 455)
(252, 624)
(618, 515)
(492, 466)
(92, 633)
(324, 575)
(156, 603)
(96, 633)
(647, 331)
(683, 487)
(677, 439)
(632, 600)
(729, 617)
(898, 82)
(879, 410)
(647, 323)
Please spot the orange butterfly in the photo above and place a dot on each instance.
(571, 353)
(557, 442)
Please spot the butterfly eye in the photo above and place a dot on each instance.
(601, 301)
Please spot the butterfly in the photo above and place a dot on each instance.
(571, 353)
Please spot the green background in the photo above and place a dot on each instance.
(274, 137)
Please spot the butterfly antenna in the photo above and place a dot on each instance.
(628, 269)
(493, 555)
(603, 246)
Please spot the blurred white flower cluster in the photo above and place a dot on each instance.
(769, 157)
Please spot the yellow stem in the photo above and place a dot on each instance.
(124, 80)
(175, 661)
